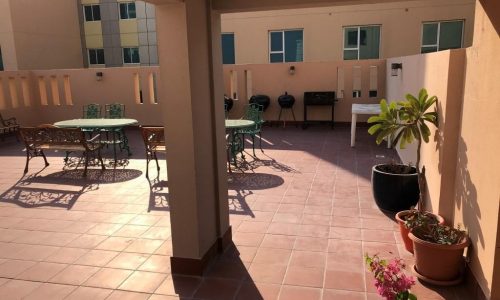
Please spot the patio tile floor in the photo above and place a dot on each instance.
(302, 216)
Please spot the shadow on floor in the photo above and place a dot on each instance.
(158, 195)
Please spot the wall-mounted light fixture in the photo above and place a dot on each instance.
(395, 67)
(291, 70)
(98, 76)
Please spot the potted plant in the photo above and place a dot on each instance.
(390, 280)
(439, 253)
(404, 122)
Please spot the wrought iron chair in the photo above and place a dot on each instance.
(92, 111)
(114, 111)
(254, 112)
(154, 141)
(8, 126)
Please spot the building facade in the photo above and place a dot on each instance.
(118, 33)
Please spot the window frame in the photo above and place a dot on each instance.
(283, 49)
(127, 9)
(439, 34)
(92, 9)
(359, 40)
(95, 49)
(130, 63)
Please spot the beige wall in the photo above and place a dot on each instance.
(76, 88)
(274, 80)
(7, 44)
(461, 159)
(323, 27)
(477, 189)
(46, 36)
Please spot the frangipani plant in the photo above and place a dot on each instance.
(404, 122)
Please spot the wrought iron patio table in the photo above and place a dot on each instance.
(236, 142)
(111, 125)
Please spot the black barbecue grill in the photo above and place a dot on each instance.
(316, 99)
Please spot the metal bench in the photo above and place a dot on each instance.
(38, 139)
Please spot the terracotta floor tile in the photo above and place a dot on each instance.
(51, 291)
(35, 252)
(256, 227)
(144, 282)
(272, 256)
(278, 241)
(266, 273)
(108, 278)
(163, 297)
(344, 247)
(308, 259)
(88, 241)
(104, 229)
(313, 230)
(316, 219)
(248, 239)
(18, 289)
(146, 220)
(66, 255)
(243, 253)
(96, 258)
(253, 291)
(299, 293)
(384, 250)
(115, 243)
(42, 271)
(156, 263)
(84, 293)
(283, 228)
(291, 208)
(345, 233)
(144, 246)
(372, 235)
(157, 233)
(344, 280)
(342, 295)
(287, 217)
(132, 231)
(74, 275)
(129, 261)
(341, 221)
(12, 268)
(217, 289)
(184, 286)
(165, 248)
(311, 244)
(125, 295)
(346, 262)
(325, 210)
(301, 276)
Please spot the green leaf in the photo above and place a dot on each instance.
(374, 119)
(383, 106)
(372, 130)
(412, 296)
(426, 132)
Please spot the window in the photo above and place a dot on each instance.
(96, 56)
(92, 12)
(131, 56)
(228, 56)
(286, 46)
(361, 42)
(437, 36)
(127, 11)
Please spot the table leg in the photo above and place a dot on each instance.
(353, 128)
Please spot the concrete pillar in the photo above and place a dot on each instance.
(191, 89)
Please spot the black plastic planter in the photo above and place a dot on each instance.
(394, 192)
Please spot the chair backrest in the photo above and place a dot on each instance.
(153, 136)
(53, 135)
(92, 111)
(255, 113)
(115, 111)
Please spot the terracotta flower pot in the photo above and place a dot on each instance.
(438, 264)
(401, 217)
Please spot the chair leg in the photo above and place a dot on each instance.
(27, 161)
(44, 158)
(87, 157)
(147, 165)
(99, 156)
(253, 144)
(260, 141)
(157, 164)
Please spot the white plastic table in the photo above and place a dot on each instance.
(361, 109)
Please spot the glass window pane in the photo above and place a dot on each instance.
(276, 57)
(429, 34)
(126, 56)
(350, 54)
(96, 12)
(294, 46)
(277, 41)
(429, 49)
(131, 11)
(450, 36)
(369, 42)
(228, 56)
(123, 11)
(100, 56)
(135, 55)
(88, 12)
(92, 57)
(351, 38)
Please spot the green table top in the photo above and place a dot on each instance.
(239, 123)
(95, 123)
